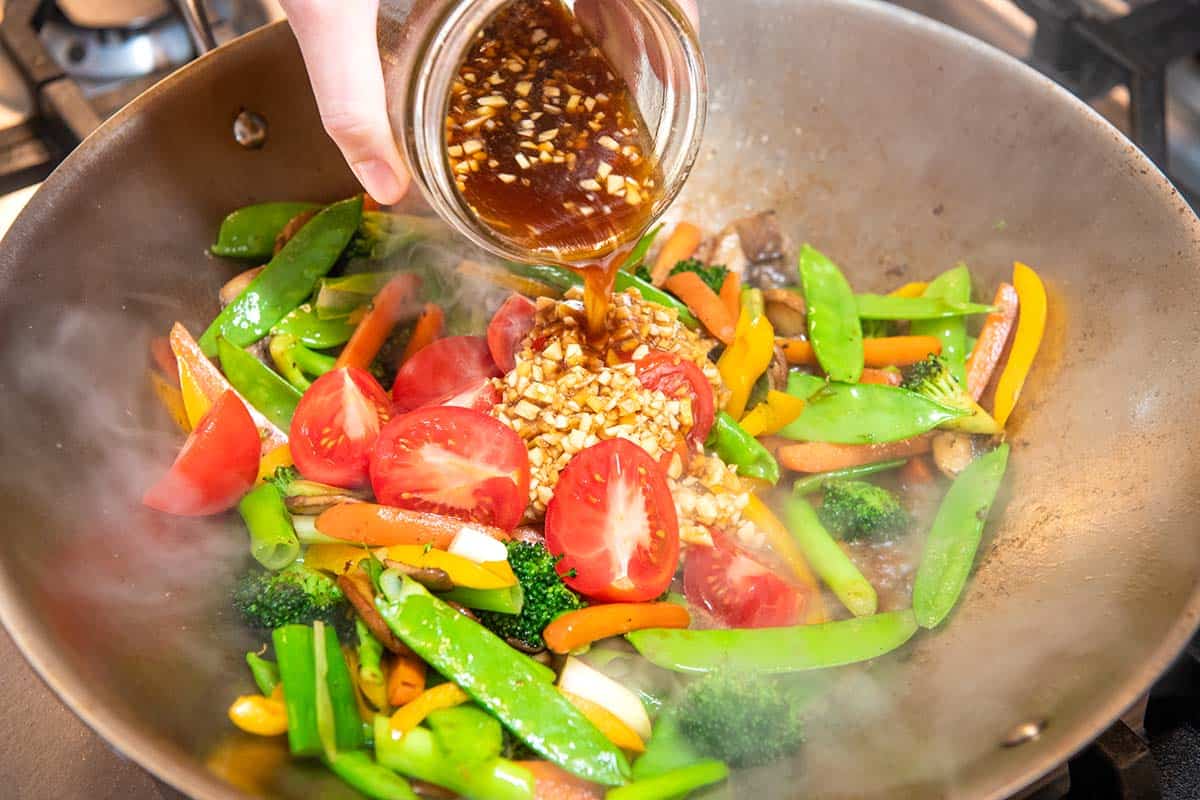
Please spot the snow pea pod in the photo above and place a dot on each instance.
(735, 446)
(891, 307)
(954, 287)
(258, 384)
(250, 232)
(954, 538)
(833, 324)
(288, 279)
(312, 331)
(814, 483)
(500, 679)
(776, 650)
(862, 413)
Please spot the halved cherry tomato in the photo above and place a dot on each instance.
(482, 397)
(736, 589)
(677, 377)
(336, 425)
(454, 461)
(613, 521)
(508, 329)
(217, 465)
(441, 369)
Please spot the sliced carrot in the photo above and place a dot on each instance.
(704, 303)
(392, 303)
(383, 526)
(608, 723)
(680, 247)
(992, 339)
(552, 782)
(784, 544)
(370, 203)
(164, 359)
(428, 328)
(825, 456)
(888, 351)
(574, 629)
(731, 294)
(885, 377)
(412, 714)
(406, 679)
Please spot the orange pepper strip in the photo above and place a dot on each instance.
(428, 328)
(888, 351)
(608, 723)
(680, 247)
(826, 456)
(388, 307)
(552, 782)
(384, 526)
(574, 629)
(993, 338)
(704, 303)
(784, 544)
(444, 695)
(731, 294)
(405, 680)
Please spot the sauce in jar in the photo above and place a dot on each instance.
(548, 147)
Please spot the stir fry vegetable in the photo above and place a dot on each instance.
(833, 326)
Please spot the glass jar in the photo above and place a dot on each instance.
(651, 43)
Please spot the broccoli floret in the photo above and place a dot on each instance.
(744, 720)
(546, 596)
(283, 478)
(643, 272)
(857, 510)
(933, 379)
(294, 595)
(713, 275)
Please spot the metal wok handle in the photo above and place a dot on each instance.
(196, 16)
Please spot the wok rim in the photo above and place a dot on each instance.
(170, 764)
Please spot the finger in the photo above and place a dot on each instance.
(337, 39)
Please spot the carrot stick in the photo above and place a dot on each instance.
(916, 472)
(731, 294)
(992, 339)
(680, 247)
(370, 204)
(704, 303)
(885, 377)
(384, 526)
(389, 307)
(826, 456)
(429, 327)
(889, 351)
(551, 782)
(406, 679)
(574, 629)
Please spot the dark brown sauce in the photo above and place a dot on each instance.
(548, 147)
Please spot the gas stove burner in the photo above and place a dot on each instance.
(101, 41)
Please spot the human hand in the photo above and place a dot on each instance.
(337, 39)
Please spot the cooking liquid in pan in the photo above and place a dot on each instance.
(548, 147)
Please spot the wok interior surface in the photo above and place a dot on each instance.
(892, 144)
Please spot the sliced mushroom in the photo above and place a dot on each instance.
(356, 585)
(432, 578)
(777, 372)
(761, 238)
(316, 504)
(293, 227)
(237, 284)
(785, 310)
(460, 608)
(517, 644)
(727, 251)
(953, 452)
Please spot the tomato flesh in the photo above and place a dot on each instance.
(442, 368)
(738, 590)
(613, 521)
(217, 465)
(679, 378)
(335, 427)
(482, 396)
(508, 329)
(454, 461)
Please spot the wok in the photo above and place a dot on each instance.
(892, 143)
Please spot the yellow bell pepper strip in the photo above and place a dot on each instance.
(171, 399)
(915, 289)
(1031, 325)
(770, 417)
(748, 355)
(279, 457)
(201, 383)
(784, 544)
(259, 715)
(607, 723)
(336, 558)
(444, 695)
(462, 571)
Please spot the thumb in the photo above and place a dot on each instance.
(337, 39)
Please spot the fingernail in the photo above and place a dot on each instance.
(379, 180)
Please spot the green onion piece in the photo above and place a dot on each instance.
(324, 704)
(363, 773)
(266, 673)
(273, 541)
(370, 654)
(676, 783)
(297, 671)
